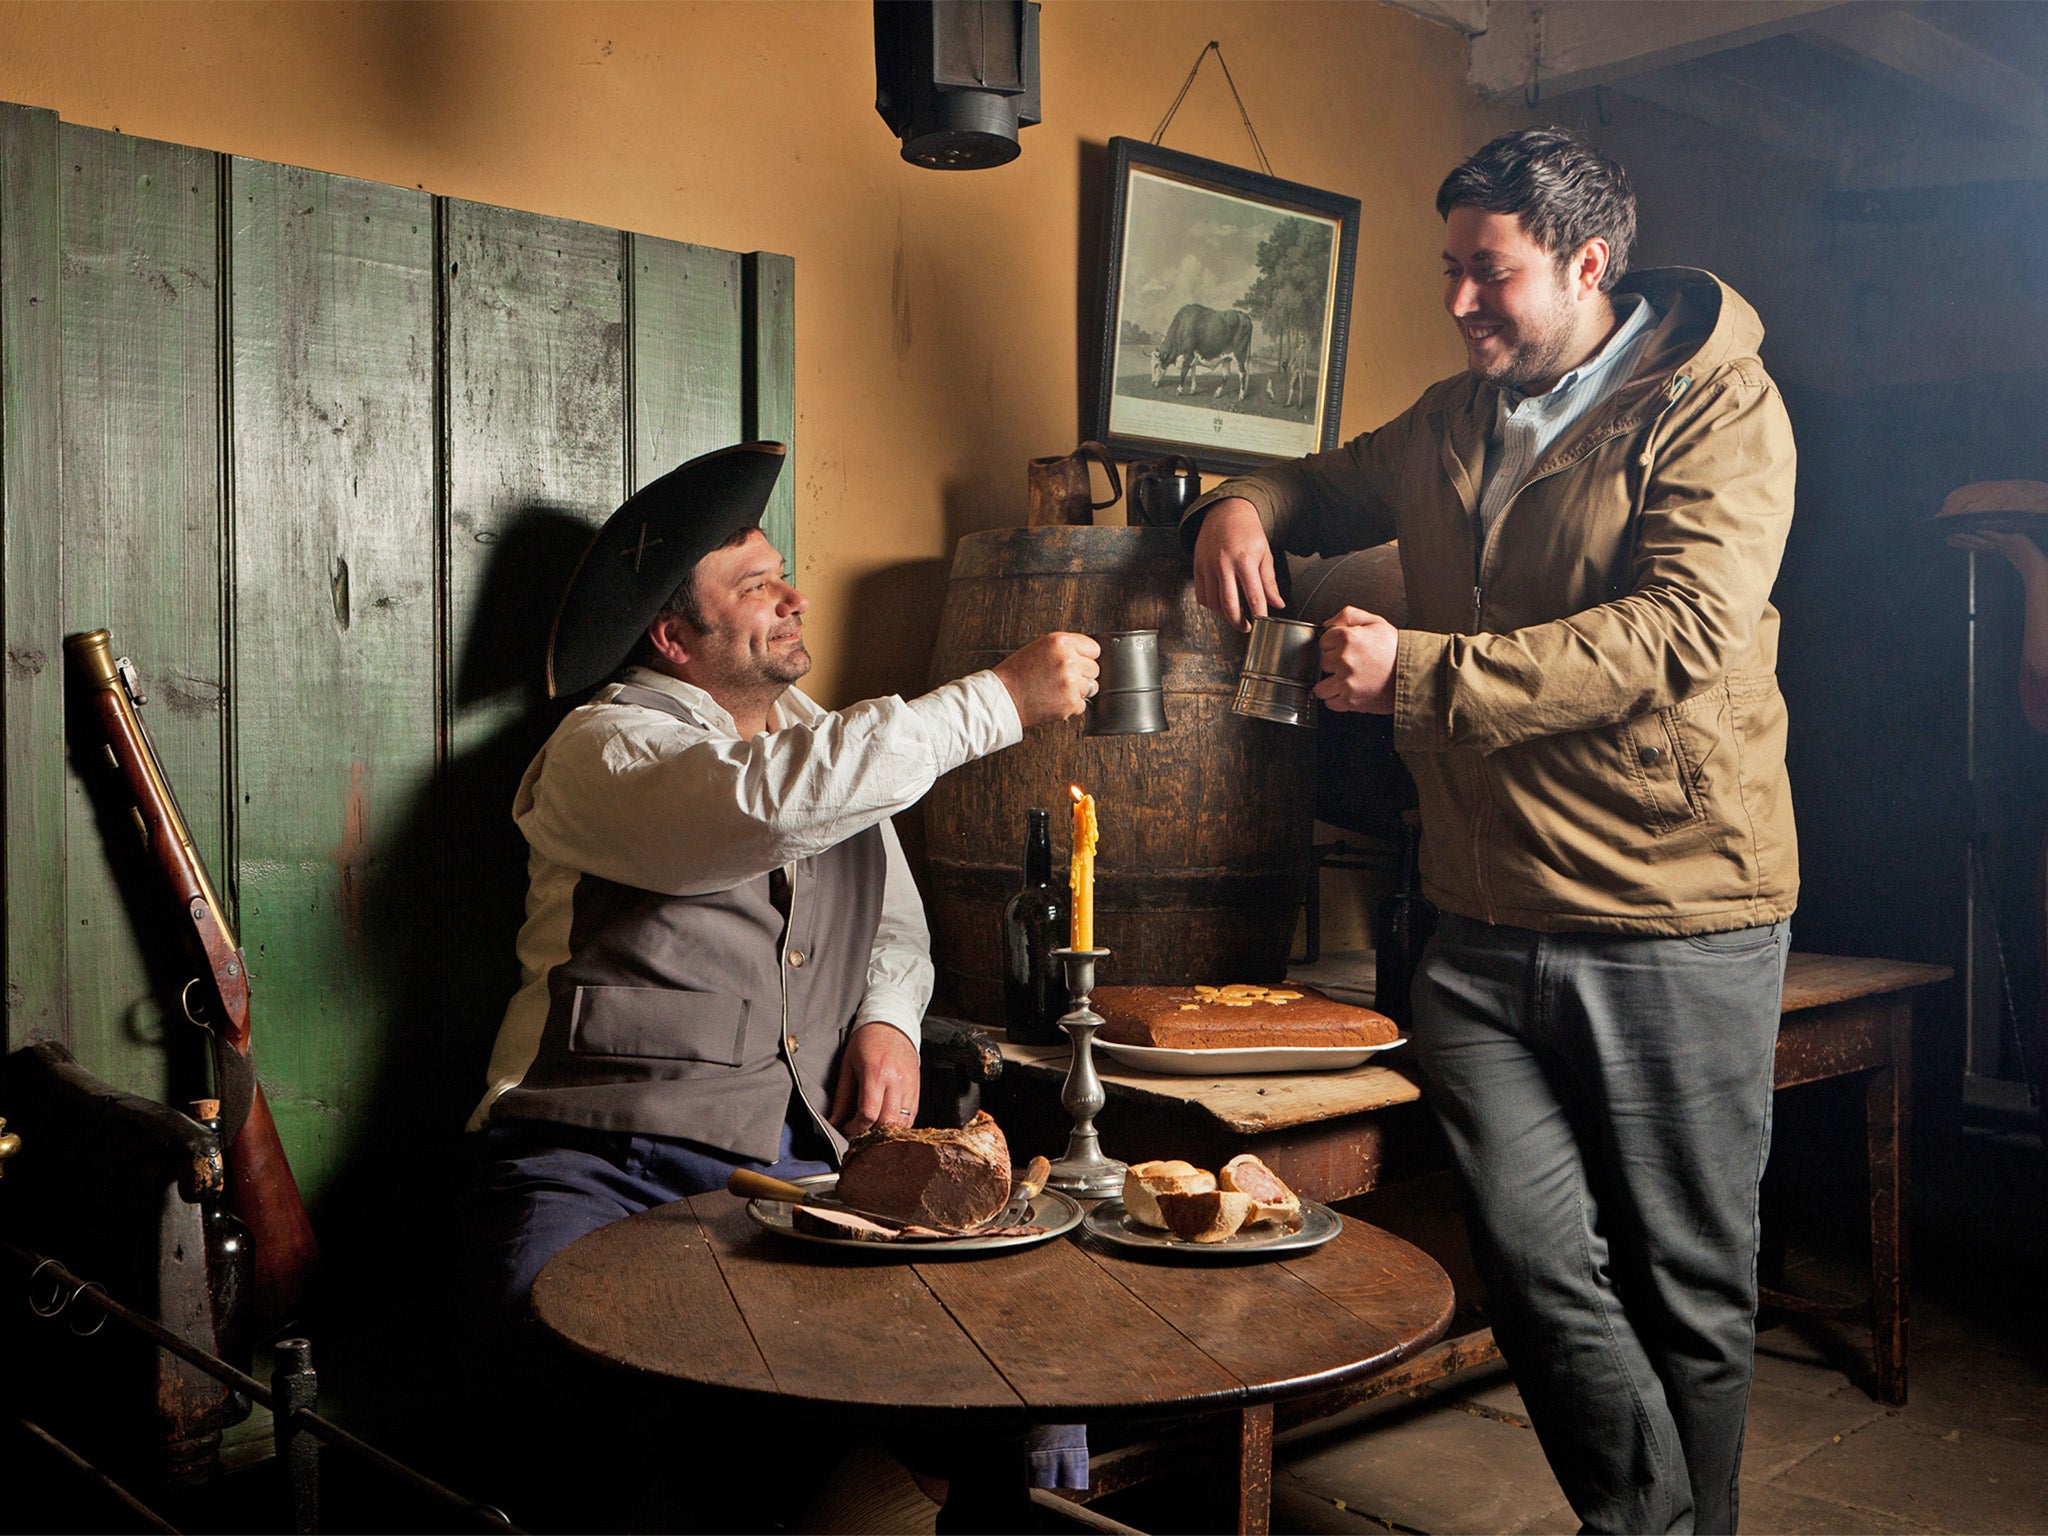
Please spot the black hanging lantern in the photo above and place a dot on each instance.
(956, 79)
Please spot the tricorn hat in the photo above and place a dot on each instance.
(1995, 498)
(643, 552)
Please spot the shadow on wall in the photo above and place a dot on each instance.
(416, 65)
(445, 904)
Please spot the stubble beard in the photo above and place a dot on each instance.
(1540, 354)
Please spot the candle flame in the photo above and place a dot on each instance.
(1076, 791)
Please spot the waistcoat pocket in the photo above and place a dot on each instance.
(659, 1023)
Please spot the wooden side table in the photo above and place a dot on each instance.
(1849, 1017)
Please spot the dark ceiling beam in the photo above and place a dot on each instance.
(1780, 124)
(1530, 49)
(1913, 46)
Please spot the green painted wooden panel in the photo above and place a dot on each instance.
(536, 336)
(334, 554)
(687, 351)
(534, 316)
(31, 491)
(142, 547)
(332, 357)
(771, 383)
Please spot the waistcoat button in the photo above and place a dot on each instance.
(796, 957)
(1653, 755)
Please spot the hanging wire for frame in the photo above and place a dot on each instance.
(1250, 132)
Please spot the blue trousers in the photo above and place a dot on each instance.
(1607, 1099)
(540, 1186)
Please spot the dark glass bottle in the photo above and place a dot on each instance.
(1402, 927)
(1034, 925)
(231, 1270)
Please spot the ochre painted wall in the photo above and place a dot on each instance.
(939, 336)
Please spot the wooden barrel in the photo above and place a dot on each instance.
(1204, 853)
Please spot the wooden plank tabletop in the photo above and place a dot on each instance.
(1252, 1105)
(1814, 981)
(1062, 1330)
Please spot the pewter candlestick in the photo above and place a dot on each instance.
(1084, 1171)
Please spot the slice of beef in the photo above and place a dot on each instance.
(822, 1221)
(941, 1178)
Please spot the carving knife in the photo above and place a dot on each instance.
(750, 1185)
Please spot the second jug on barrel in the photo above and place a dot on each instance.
(1059, 492)
(1161, 492)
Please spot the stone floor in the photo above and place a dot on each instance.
(1968, 1452)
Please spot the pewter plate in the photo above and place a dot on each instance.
(1111, 1223)
(1236, 1061)
(1056, 1212)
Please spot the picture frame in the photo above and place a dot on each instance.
(1226, 311)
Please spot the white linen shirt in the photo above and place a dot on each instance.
(639, 797)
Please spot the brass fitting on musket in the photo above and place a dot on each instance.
(9, 1145)
(93, 651)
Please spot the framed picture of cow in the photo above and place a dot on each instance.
(1227, 308)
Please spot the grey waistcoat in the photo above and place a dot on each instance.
(690, 1016)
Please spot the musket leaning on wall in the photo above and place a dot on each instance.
(260, 1186)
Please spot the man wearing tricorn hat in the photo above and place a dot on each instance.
(724, 960)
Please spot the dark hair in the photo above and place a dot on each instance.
(1564, 191)
(682, 602)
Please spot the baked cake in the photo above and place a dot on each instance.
(1236, 1017)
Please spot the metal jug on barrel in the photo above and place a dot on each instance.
(1058, 492)
(1162, 492)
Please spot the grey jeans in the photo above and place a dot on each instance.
(1608, 1102)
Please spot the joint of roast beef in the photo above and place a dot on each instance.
(939, 1178)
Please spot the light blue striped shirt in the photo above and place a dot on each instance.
(1524, 426)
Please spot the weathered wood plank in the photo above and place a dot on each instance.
(659, 1277)
(142, 517)
(1132, 1356)
(533, 313)
(686, 349)
(332, 352)
(31, 523)
(771, 383)
(845, 1335)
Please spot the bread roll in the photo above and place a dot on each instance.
(1211, 1217)
(1272, 1200)
(1145, 1182)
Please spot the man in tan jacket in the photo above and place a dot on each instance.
(1590, 519)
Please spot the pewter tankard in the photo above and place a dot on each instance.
(1281, 664)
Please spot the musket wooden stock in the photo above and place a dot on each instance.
(260, 1186)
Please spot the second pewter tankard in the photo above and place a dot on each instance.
(1281, 663)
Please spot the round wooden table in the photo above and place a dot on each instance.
(1067, 1331)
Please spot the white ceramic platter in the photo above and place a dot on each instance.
(1277, 1058)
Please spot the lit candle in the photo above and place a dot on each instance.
(1081, 869)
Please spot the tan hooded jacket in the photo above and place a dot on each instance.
(1589, 702)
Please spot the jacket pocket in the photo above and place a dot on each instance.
(659, 1023)
(1668, 755)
